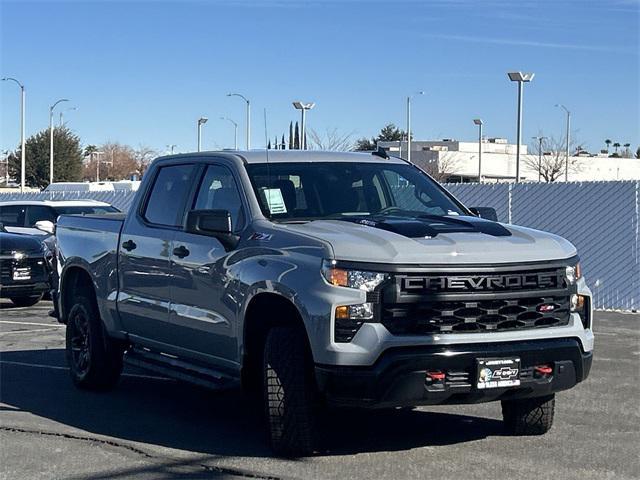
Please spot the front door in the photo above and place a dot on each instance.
(145, 253)
(202, 300)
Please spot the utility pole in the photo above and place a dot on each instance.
(409, 124)
(248, 116)
(479, 123)
(566, 165)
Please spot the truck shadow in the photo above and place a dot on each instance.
(170, 414)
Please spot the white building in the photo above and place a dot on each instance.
(460, 161)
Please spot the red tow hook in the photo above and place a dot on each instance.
(436, 376)
(543, 369)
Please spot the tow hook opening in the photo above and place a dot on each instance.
(435, 376)
(544, 370)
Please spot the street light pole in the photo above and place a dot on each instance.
(409, 125)
(22, 139)
(521, 78)
(479, 123)
(566, 164)
(248, 116)
(540, 140)
(201, 121)
(51, 138)
(62, 115)
(303, 134)
(235, 131)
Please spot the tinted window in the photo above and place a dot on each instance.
(36, 213)
(13, 215)
(219, 191)
(168, 195)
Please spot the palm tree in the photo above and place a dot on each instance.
(608, 142)
(627, 153)
(616, 146)
(89, 150)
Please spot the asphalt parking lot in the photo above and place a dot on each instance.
(155, 428)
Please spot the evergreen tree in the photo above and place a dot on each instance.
(296, 138)
(282, 144)
(269, 145)
(67, 158)
(290, 135)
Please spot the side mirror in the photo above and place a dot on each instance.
(488, 213)
(46, 226)
(213, 223)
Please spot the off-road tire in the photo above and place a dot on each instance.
(290, 392)
(95, 360)
(529, 416)
(26, 301)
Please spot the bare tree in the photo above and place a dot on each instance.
(440, 168)
(332, 140)
(144, 155)
(551, 166)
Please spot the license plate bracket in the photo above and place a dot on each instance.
(501, 372)
(22, 273)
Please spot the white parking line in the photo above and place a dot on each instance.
(56, 325)
(29, 331)
(56, 367)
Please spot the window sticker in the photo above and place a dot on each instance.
(275, 201)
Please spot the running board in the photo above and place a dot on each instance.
(172, 367)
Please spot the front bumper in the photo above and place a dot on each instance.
(399, 378)
(23, 290)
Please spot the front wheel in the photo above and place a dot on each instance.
(529, 416)
(290, 393)
(95, 360)
(28, 301)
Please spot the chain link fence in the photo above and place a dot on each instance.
(600, 218)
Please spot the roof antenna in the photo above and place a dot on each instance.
(380, 152)
(267, 192)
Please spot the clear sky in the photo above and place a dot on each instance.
(143, 72)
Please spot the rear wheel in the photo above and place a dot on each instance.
(95, 360)
(27, 301)
(290, 393)
(529, 416)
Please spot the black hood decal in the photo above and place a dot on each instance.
(431, 226)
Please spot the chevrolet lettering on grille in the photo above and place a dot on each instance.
(540, 280)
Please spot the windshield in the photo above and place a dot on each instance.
(335, 190)
(87, 209)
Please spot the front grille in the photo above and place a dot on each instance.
(38, 271)
(476, 316)
(475, 302)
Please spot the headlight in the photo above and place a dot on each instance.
(573, 273)
(358, 279)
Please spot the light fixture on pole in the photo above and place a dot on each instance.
(566, 164)
(22, 139)
(409, 125)
(62, 115)
(479, 123)
(303, 107)
(235, 131)
(201, 121)
(521, 78)
(539, 140)
(248, 116)
(51, 138)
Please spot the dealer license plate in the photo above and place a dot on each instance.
(498, 372)
(22, 273)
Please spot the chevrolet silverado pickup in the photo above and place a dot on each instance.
(317, 279)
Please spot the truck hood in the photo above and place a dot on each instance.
(491, 243)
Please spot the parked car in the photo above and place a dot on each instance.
(38, 217)
(24, 277)
(317, 278)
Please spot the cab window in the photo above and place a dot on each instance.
(219, 191)
(168, 195)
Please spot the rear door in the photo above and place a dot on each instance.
(202, 308)
(145, 252)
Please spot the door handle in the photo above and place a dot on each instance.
(129, 245)
(181, 251)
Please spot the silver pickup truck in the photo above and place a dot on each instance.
(319, 279)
